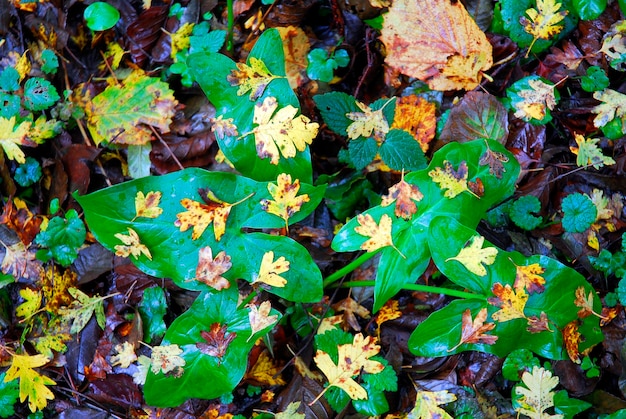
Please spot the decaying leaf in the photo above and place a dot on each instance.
(427, 405)
(511, 302)
(453, 181)
(132, 245)
(436, 42)
(585, 302)
(265, 372)
(286, 200)
(20, 261)
(81, 310)
(389, 311)
(270, 270)
(571, 340)
(403, 194)
(350, 309)
(252, 78)
(368, 122)
(473, 331)
(613, 106)
(379, 234)
(535, 101)
(167, 359)
(474, 257)
(417, 116)
(536, 393)
(223, 127)
(33, 385)
(217, 340)
(56, 286)
(529, 277)
(353, 358)
(260, 317)
(538, 324)
(296, 46)
(281, 133)
(124, 112)
(125, 355)
(148, 205)
(588, 153)
(12, 136)
(32, 302)
(543, 22)
(494, 160)
(209, 270)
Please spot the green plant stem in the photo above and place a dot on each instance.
(348, 268)
(231, 24)
(249, 298)
(421, 288)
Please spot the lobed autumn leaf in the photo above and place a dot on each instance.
(286, 200)
(148, 205)
(252, 78)
(217, 340)
(536, 393)
(379, 234)
(535, 101)
(528, 277)
(417, 116)
(132, 245)
(473, 331)
(427, 405)
(167, 359)
(33, 385)
(265, 372)
(454, 182)
(12, 136)
(270, 270)
(209, 271)
(494, 160)
(403, 194)
(543, 22)
(613, 105)
(259, 317)
(368, 123)
(511, 302)
(474, 257)
(588, 153)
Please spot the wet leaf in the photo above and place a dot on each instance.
(131, 245)
(81, 310)
(453, 181)
(535, 395)
(572, 339)
(403, 194)
(367, 123)
(494, 160)
(265, 371)
(286, 200)
(416, 115)
(613, 106)
(427, 405)
(528, 277)
(216, 339)
(379, 234)
(209, 270)
(125, 355)
(12, 136)
(252, 78)
(588, 153)
(474, 257)
(167, 359)
(259, 317)
(33, 385)
(438, 43)
(270, 270)
(545, 21)
(148, 205)
(473, 331)
(511, 302)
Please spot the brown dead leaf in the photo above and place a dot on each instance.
(436, 42)
(403, 194)
(351, 309)
(473, 331)
(209, 270)
(416, 115)
(216, 341)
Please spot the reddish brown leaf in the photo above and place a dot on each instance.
(217, 341)
(474, 331)
(538, 324)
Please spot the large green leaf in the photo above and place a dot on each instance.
(175, 255)
(211, 70)
(205, 376)
(410, 236)
(441, 331)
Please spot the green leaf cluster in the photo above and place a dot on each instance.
(61, 239)
(579, 213)
(322, 64)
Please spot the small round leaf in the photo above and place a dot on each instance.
(578, 213)
(101, 16)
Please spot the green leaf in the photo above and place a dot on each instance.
(595, 80)
(589, 9)
(9, 393)
(10, 105)
(152, 309)
(28, 173)
(322, 64)
(139, 163)
(39, 94)
(522, 210)
(101, 16)
(567, 406)
(175, 254)
(441, 331)
(50, 62)
(400, 151)
(411, 237)
(62, 238)
(517, 362)
(333, 107)
(362, 151)
(579, 213)
(9, 79)
(621, 291)
(224, 374)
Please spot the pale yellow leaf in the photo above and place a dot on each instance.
(474, 257)
(270, 270)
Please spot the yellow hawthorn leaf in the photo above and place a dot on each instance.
(270, 270)
(132, 245)
(32, 384)
(453, 181)
(588, 153)
(265, 372)
(209, 271)
(124, 112)
(32, 302)
(200, 215)
(259, 317)
(613, 46)
(56, 287)
(286, 201)
(613, 106)
(291, 412)
(353, 357)
(437, 42)
(180, 39)
(474, 257)
(511, 302)
(223, 127)
(427, 405)
(379, 234)
(329, 323)
(12, 136)
(252, 78)
(602, 205)
(167, 359)
(389, 311)
(281, 133)
(535, 101)
(368, 122)
(113, 55)
(403, 194)
(148, 205)
(296, 46)
(543, 22)
(529, 277)
(125, 355)
(23, 65)
(571, 340)
(473, 331)
(536, 393)
(417, 116)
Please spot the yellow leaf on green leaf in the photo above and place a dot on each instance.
(588, 153)
(12, 136)
(33, 385)
(474, 257)
(535, 101)
(427, 405)
(32, 302)
(252, 78)
(545, 21)
(286, 200)
(132, 245)
(368, 123)
(511, 302)
(148, 205)
(270, 270)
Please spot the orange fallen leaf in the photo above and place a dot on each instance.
(473, 331)
(209, 270)
(528, 277)
(416, 115)
(403, 194)
(511, 302)
(585, 302)
(437, 42)
(571, 339)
